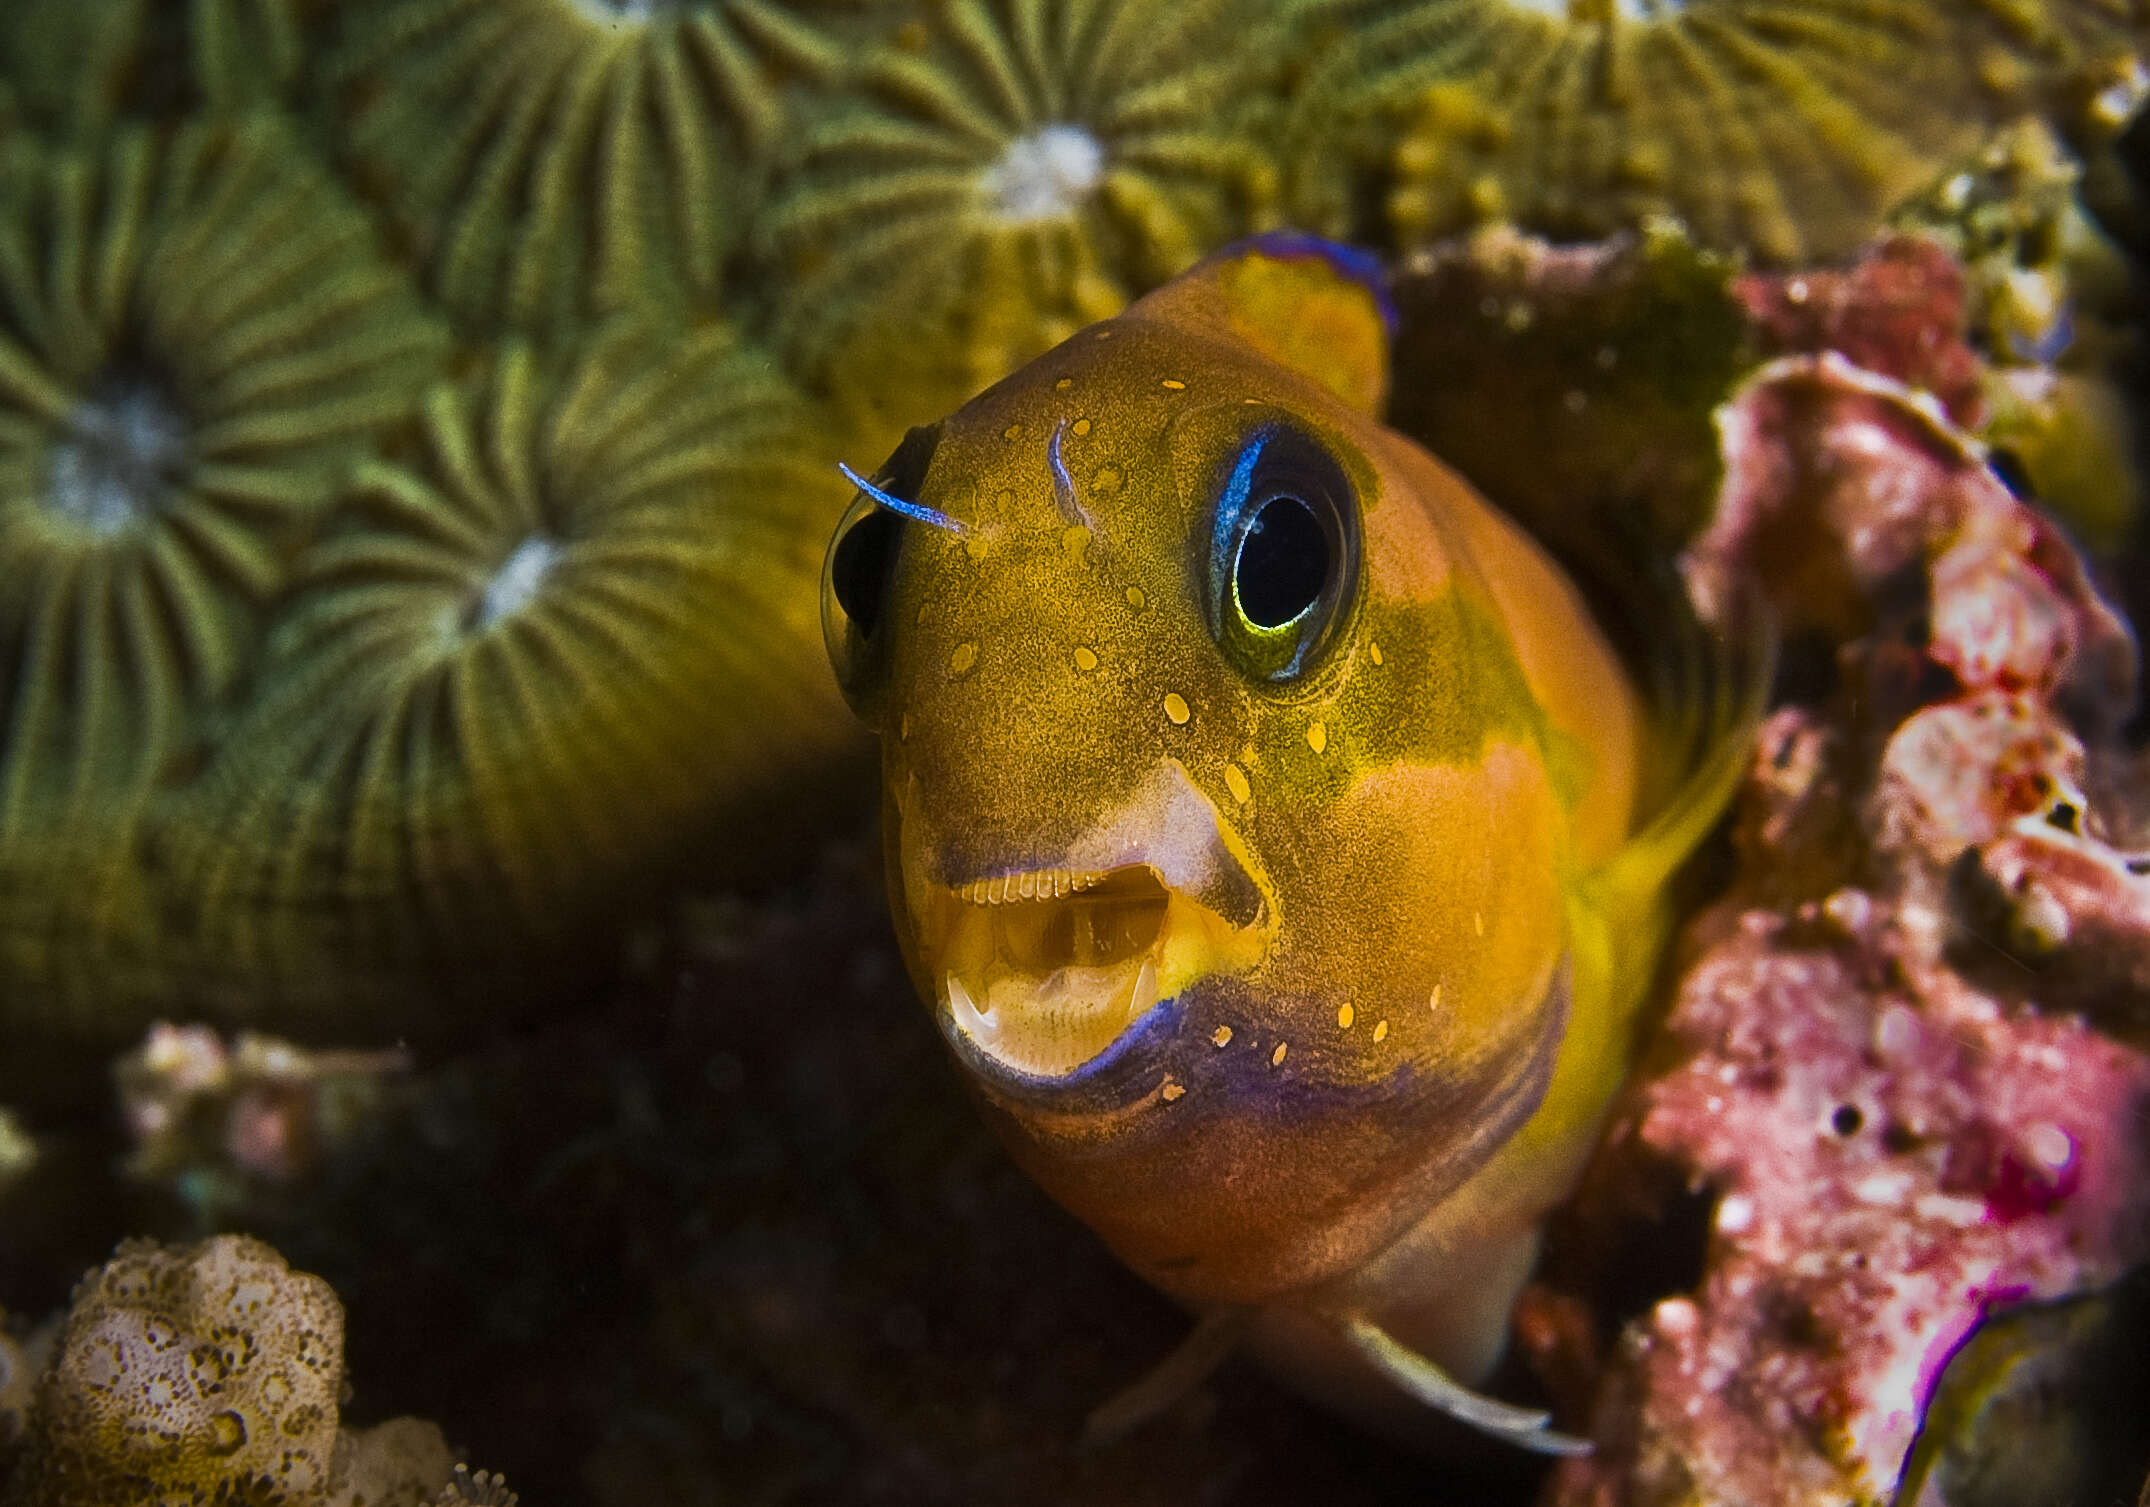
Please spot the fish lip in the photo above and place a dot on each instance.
(1121, 1071)
(1038, 1012)
(1174, 866)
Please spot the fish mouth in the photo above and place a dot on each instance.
(1036, 972)
(1042, 971)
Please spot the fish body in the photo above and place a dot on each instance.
(1267, 818)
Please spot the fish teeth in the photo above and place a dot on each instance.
(1038, 884)
(1145, 994)
(977, 1024)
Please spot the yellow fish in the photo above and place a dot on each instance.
(1279, 843)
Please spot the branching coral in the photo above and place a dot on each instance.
(1025, 169)
(1788, 127)
(550, 152)
(564, 639)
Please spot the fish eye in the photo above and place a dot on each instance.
(860, 567)
(860, 563)
(1283, 554)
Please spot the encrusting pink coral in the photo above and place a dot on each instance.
(1872, 1062)
(1898, 310)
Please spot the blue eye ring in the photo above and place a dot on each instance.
(1283, 556)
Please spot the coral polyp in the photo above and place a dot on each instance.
(1015, 170)
(555, 157)
(1785, 127)
(195, 334)
(561, 641)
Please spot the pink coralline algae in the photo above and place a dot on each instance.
(1900, 1058)
(1894, 1158)
(1899, 310)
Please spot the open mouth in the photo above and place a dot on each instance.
(1043, 971)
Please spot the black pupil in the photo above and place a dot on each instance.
(859, 573)
(1283, 563)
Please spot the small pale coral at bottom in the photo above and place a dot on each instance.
(208, 1373)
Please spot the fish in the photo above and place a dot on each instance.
(1280, 843)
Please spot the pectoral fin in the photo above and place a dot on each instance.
(1421, 1378)
(1215, 1336)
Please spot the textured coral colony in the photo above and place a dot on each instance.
(419, 423)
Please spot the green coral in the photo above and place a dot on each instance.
(552, 157)
(241, 51)
(1015, 170)
(83, 66)
(1785, 127)
(565, 638)
(194, 336)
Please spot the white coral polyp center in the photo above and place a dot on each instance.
(1598, 10)
(517, 581)
(119, 462)
(614, 12)
(1045, 175)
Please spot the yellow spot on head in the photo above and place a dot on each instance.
(1012, 432)
(1478, 922)
(1105, 480)
(965, 655)
(1236, 779)
(1381, 1030)
(1076, 542)
(1276, 1058)
(1317, 737)
(1081, 426)
(1222, 1036)
(1175, 385)
(1345, 1015)
(1085, 661)
(1135, 598)
(1373, 652)
(1172, 1090)
(1176, 708)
